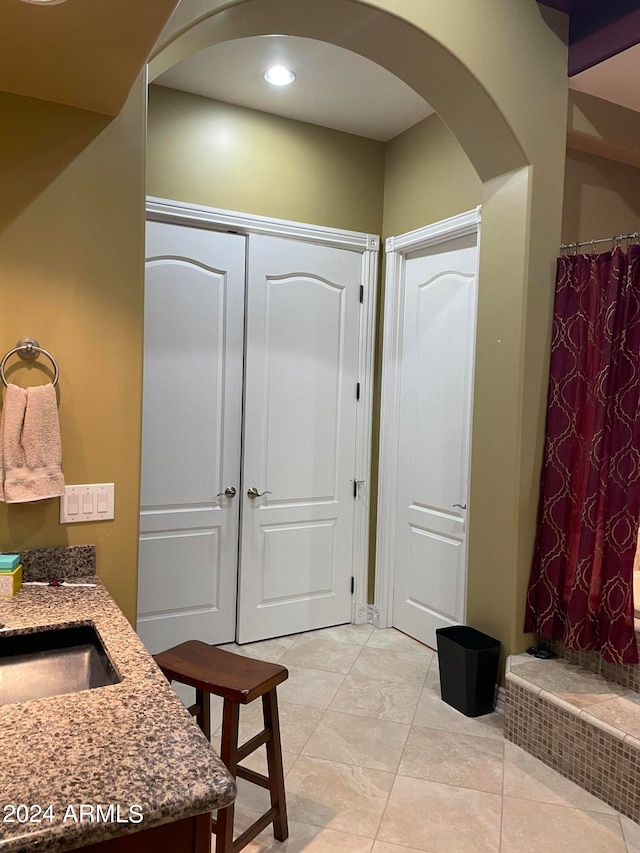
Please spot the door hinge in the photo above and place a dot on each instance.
(355, 489)
(357, 390)
(353, 584)
(362, 293)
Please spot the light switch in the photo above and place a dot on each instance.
(93, 502)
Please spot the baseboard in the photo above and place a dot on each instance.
(373, 615)
(360, 614)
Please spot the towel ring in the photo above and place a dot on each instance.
(29, 348)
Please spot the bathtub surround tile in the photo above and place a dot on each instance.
(337, 796)
(454, 759)
(623, 713)
(516, 660)
(441, 818)
(561, 829)
(528, 685)
(547, 695)
(376, 744)
(319, 653)
(627, 675)
(392, 666)
(381, 700)
(576, 745)
(580, 688)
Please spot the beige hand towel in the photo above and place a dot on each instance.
(32, 451)
(15, 404)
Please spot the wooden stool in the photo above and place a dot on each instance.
(239, 680)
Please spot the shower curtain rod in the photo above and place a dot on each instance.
(616, 241)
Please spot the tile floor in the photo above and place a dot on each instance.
(375, 762)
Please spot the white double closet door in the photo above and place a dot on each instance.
(249, 435)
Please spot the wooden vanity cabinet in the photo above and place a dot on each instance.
(189, 835)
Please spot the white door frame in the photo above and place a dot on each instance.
(180, 213)
(397, 249)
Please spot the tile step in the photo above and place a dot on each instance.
(628, 675)
(583, 725)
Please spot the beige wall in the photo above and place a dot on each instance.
(603, 128)
(428, 177)
(601, 198)
(211, 153)
(71, 263)
(502, 92)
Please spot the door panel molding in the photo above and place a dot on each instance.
(397, 249)
(167, 210)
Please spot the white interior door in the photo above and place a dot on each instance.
(191, 426)
(437, 317)
(299, 436)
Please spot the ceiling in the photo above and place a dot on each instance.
(617, 79)
(604, 51)
(334, 88)
(81, 54)
(74, 53)
(339, 89)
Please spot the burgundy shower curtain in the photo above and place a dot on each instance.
(581, 586)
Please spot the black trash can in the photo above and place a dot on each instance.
(468, 669)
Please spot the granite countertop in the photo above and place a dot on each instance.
(123, 744)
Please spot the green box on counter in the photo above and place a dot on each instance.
(8, 562)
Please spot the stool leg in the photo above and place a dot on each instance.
(203, 717)
(274, 764)
(229, 755)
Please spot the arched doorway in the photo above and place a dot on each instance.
(487, 90)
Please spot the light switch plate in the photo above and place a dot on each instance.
(98, 498)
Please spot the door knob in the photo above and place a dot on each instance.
(254, 493)
(229, 492)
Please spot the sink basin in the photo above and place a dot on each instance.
(52, 662)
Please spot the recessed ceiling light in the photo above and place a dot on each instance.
(279, 76)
